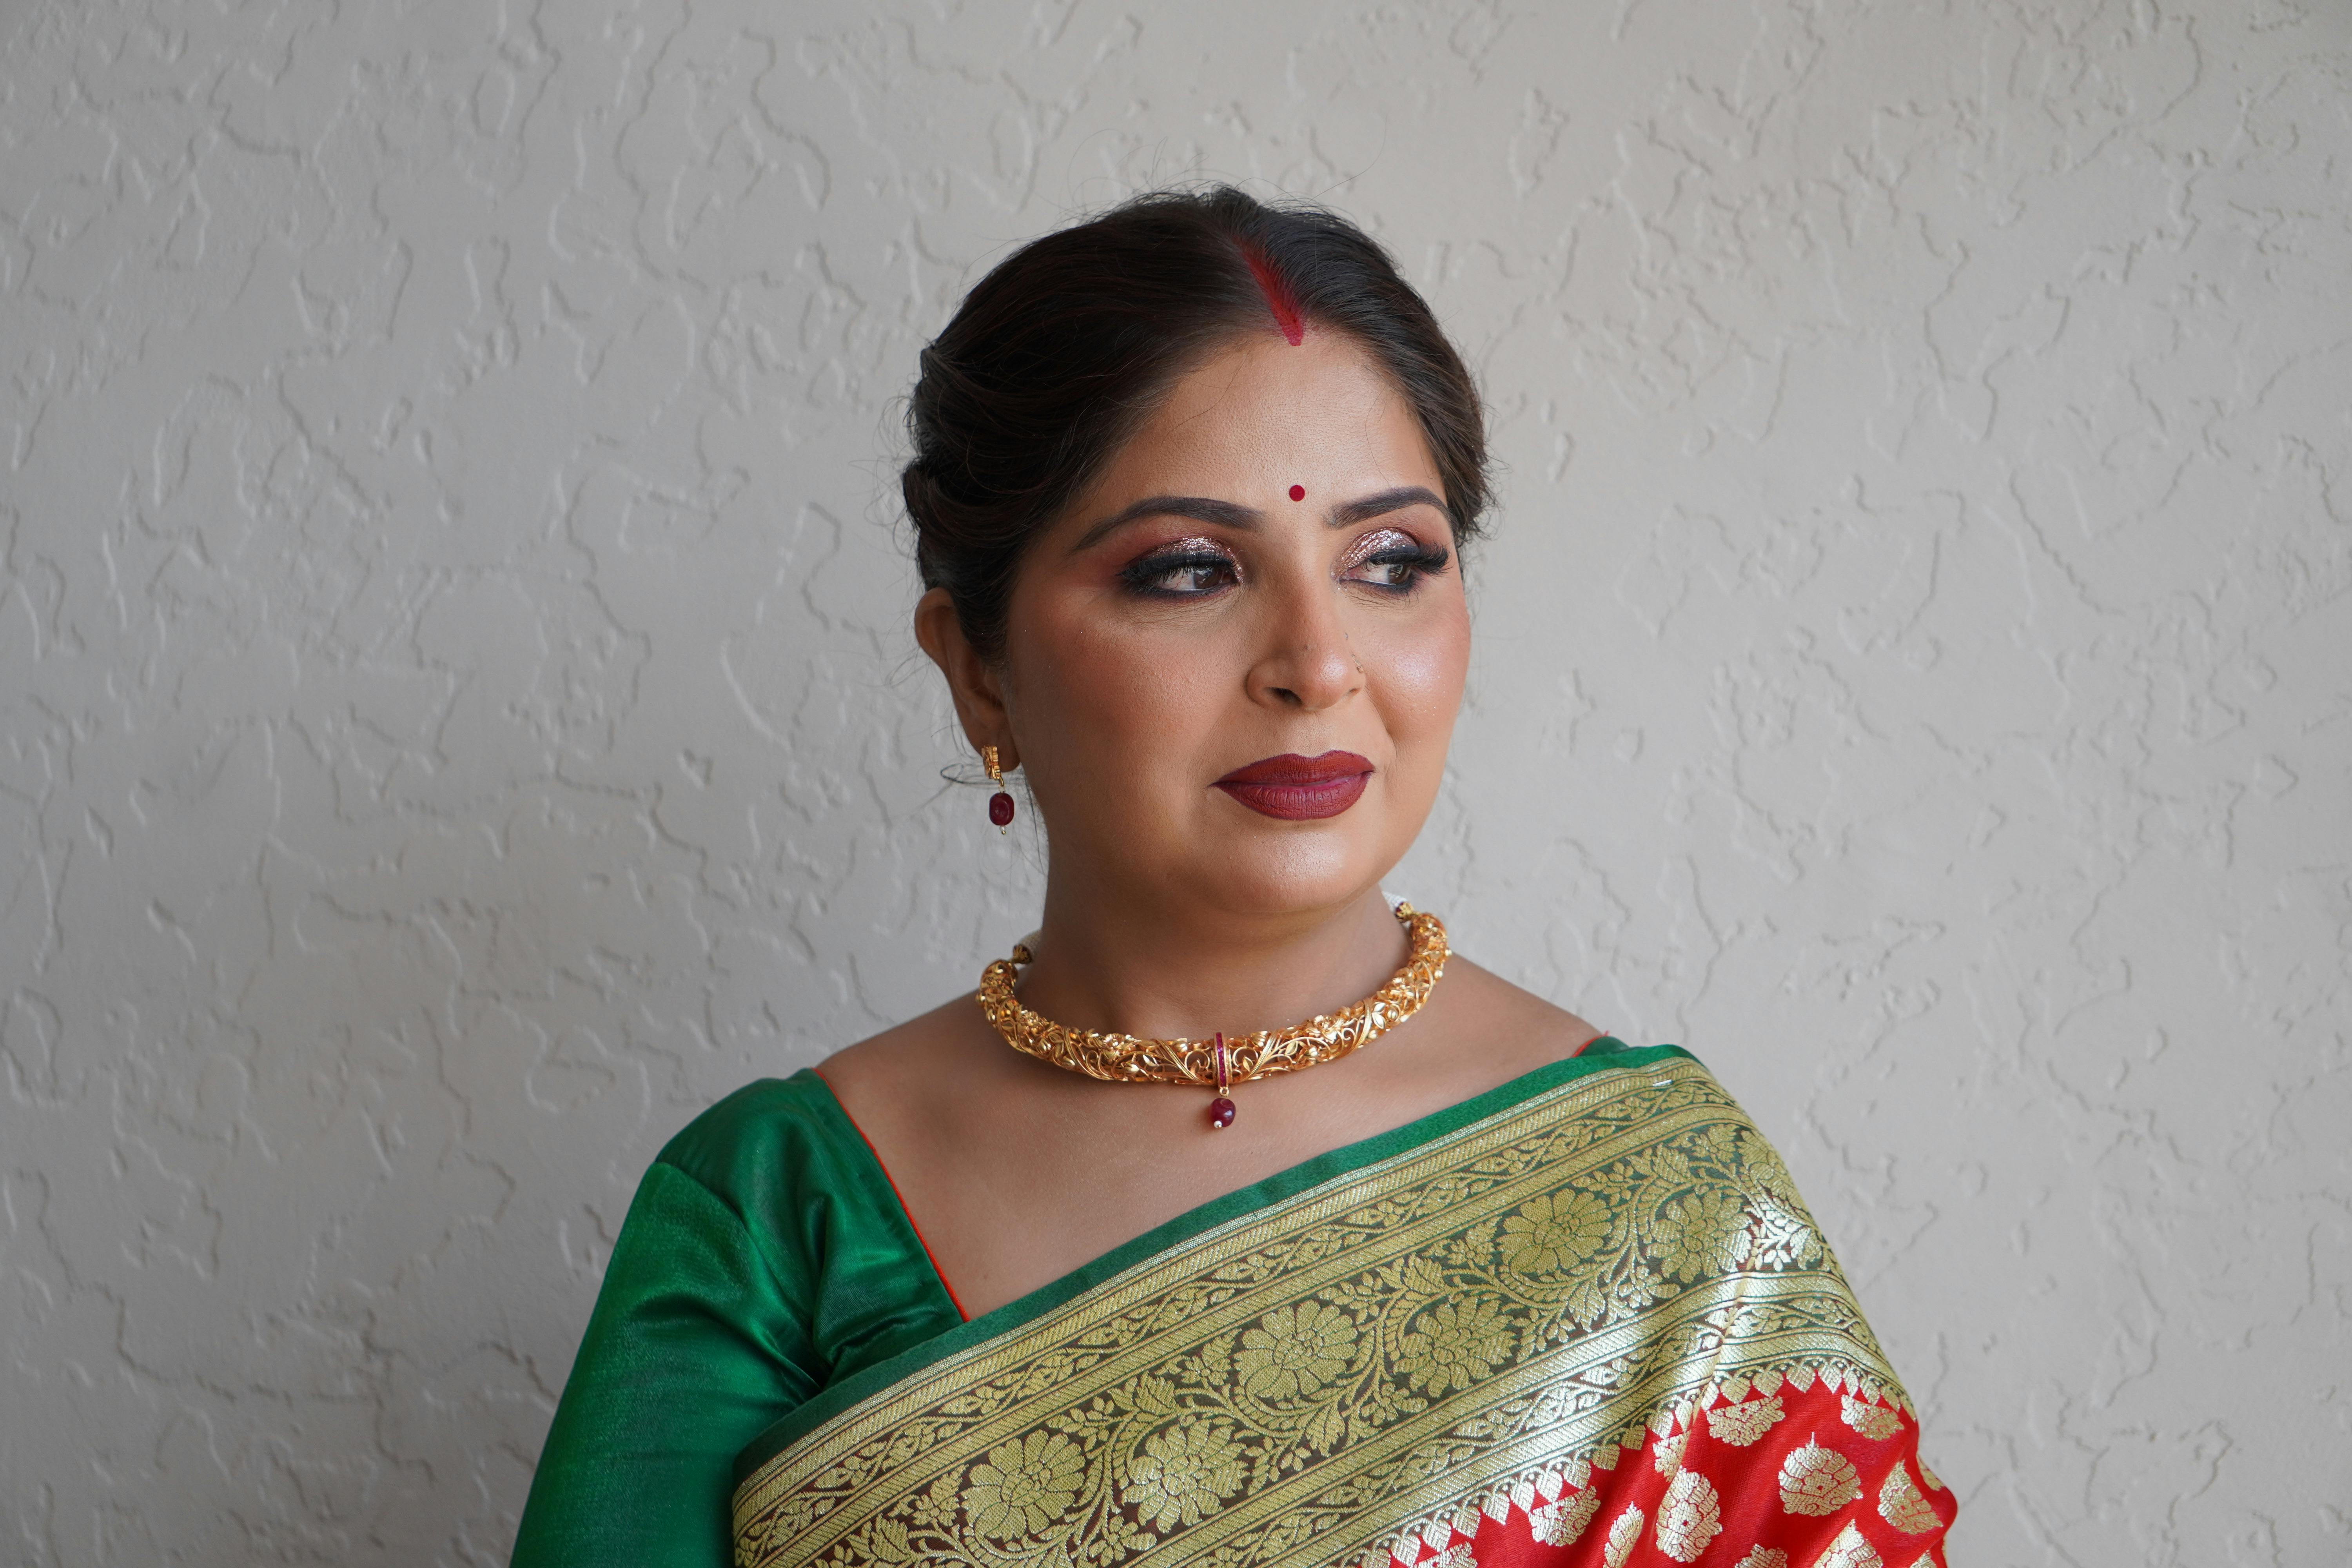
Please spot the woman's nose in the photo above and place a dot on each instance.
(1307, 663)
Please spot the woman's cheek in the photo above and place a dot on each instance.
(1425, 672)
(1139, 688)
(1119, 697)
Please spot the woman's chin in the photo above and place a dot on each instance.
(1295, 874)
(1221, 858)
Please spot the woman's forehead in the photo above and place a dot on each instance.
(1263, 414)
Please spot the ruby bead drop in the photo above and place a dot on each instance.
(1221, 1113)
(999, 809)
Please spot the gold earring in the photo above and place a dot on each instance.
(1000, 805)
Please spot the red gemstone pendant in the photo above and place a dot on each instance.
(1220, 1109)
(999, 809)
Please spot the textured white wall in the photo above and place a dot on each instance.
(457, 718)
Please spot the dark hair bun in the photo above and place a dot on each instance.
(1062, 351)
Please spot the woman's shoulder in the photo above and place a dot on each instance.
(903, 1083)
(767, 1126)
(928, 1042)
(1528, 1030)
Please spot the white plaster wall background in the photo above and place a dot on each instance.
(457, 717)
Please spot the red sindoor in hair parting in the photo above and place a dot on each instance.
(1278, 297)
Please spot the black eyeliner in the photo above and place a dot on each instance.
(1416, 559)
(1139, 576)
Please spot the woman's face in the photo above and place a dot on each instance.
(1233, 668)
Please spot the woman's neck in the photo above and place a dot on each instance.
(1114, 961)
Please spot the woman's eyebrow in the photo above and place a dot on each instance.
(1232, 514)
(1200, 508)
(1348, 513)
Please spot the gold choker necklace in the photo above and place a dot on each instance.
(1219, 1063)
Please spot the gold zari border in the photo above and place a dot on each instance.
(1531, 1292)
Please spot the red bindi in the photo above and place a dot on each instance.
(1299, 492)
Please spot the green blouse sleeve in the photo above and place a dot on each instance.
(765, 1256)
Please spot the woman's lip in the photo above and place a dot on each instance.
(1300, 789)
(1290, 768)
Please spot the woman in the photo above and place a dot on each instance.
(1124, 1262)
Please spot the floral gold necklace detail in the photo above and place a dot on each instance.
(1219, 1063)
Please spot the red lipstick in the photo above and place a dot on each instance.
(1300, 789)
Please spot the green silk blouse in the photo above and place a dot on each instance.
(766, 1256)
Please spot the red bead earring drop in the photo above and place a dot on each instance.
(1000, 805)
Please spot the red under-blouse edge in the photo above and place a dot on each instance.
(941, 1274)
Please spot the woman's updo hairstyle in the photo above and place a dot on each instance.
(1061, 352)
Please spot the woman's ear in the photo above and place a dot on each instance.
(976, 685)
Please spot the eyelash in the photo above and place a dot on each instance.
(1145, 577)
(1414, 562)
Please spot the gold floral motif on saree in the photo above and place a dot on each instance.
(1560, 1523)
(1478, 1323)
(1902, 1506)
(1691, 1517)
(1738, 1426)
(1851, 1550)
(1624, 1536)
(1817, 1481)
(1875, 1422)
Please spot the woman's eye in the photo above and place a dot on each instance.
(1398, 568)
(1180, 576)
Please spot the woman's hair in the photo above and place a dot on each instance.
(1063, 350)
